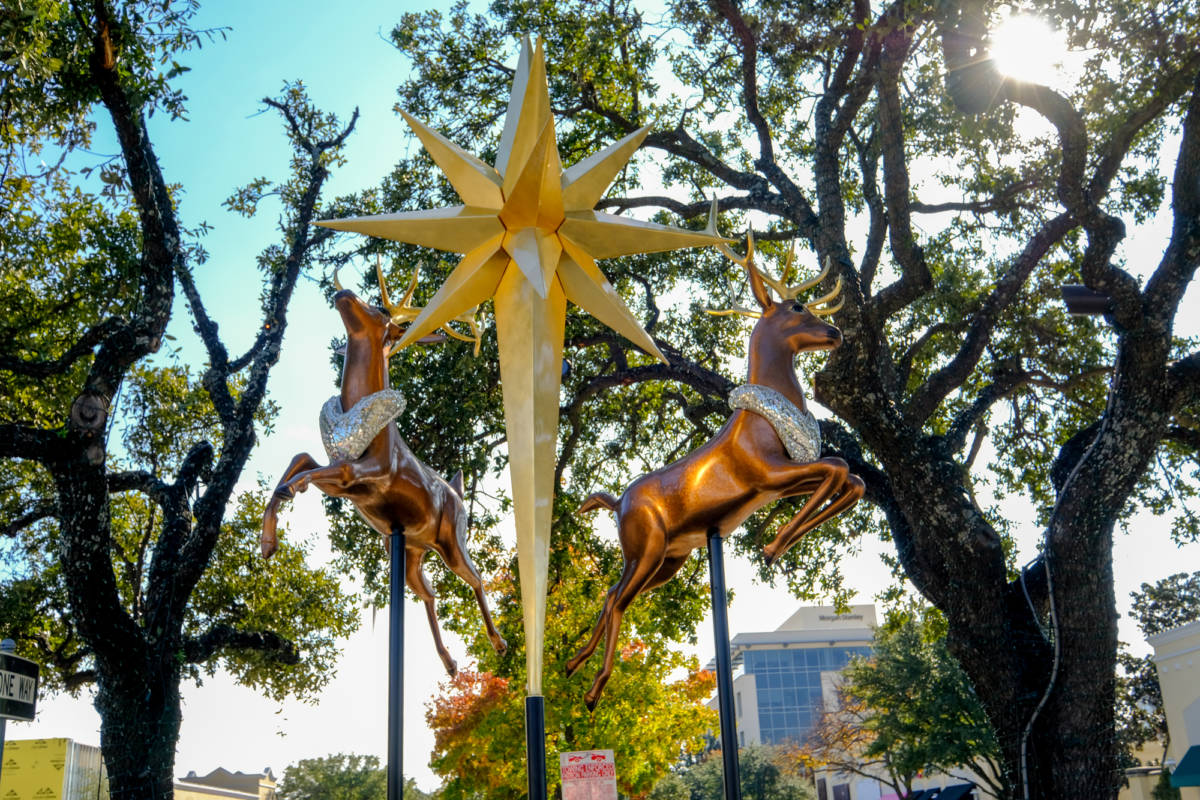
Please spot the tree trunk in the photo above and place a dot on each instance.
(137, 674)
(1064, 746)
(140, 711)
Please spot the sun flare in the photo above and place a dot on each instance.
(1026, 48)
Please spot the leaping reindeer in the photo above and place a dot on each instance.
(768, 449)
(372, 466)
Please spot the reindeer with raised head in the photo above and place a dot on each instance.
(371, 465)
(768, 449)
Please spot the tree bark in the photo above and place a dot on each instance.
(140, 716)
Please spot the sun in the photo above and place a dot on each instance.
(1026, 48)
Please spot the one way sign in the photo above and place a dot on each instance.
(18, 687)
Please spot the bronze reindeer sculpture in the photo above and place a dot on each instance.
(768, 449)
(371, 465)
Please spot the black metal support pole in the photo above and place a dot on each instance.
(395, 751)
(729, 740)
(6, 646)
(535, 746)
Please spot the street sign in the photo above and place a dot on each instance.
(588, 775)
(18, 687)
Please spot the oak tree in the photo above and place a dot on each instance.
(129, 548)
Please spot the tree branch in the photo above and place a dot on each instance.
(1004, 199)
(927, 397)
(1166, 286)
(40, 510)
(1104, 230)
(137, 481)
(160, 235)
(219, 638)
(1184, 381)
(84, 346)
(868, 164)
(1113, 152)
(25, 441)
(1188, 437)
(238, 423)
(914, 278)
(1004, 383)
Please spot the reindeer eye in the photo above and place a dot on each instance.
(798, 307)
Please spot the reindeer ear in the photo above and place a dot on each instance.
(392, 334)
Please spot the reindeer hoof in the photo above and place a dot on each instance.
(590, 701)
(499, 645)
(451, 667)
(573, 665)
(770, 555)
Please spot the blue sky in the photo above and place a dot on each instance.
(340, 51)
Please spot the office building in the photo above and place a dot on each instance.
(1177, 657)
(784, 672)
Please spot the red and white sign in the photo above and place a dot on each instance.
(588, 775)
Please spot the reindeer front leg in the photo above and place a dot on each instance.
(835, 485)
(304, 470)
(302, 462)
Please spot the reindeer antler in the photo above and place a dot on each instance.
(403, 313)
(757, 287)
(820, 306)
(762, 279)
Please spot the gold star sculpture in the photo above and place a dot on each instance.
(529, 238)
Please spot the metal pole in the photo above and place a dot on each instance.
(729, 741)
(395, 751)
(6, 646)
(535, 746)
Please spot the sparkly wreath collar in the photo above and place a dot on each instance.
(346, 434)
(798, 430)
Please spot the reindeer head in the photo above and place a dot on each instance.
(795, 324)
(386, 325)
(366, 324)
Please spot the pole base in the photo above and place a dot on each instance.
(395, 753)
(729, 741)
(535, 746)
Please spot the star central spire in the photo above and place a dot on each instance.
(529, 236)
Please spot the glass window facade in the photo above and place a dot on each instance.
(789, 687)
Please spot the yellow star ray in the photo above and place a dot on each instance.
(529, 237)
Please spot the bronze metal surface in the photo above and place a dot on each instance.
(390, 487)
(667, 513)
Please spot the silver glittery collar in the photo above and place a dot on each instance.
(347, 434)
(798, 430)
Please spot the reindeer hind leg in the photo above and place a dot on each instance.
(459, 561)
(419, 583)
(585, 653)
(665, 573)
(637, 574)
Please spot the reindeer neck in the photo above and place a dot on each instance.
(364, 371)
(772, 364)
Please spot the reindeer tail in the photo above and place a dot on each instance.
(598, 500)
